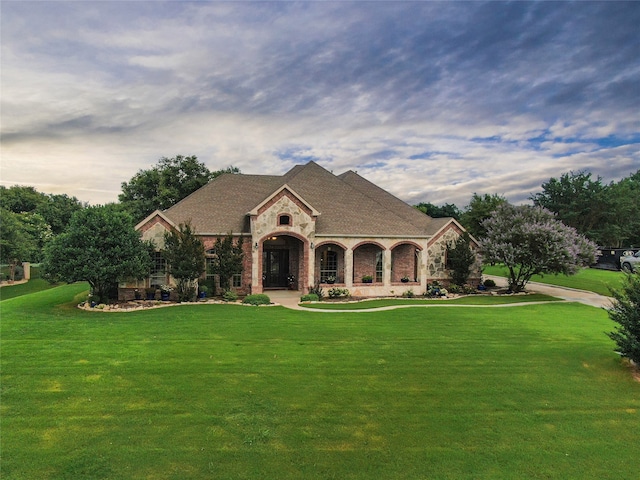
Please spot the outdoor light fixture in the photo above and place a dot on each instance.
(255, 247)
(311, 245)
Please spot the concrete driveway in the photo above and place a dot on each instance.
(569, 294)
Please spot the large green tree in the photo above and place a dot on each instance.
(606, 214)
(579, 201)
(626, 313)
(22, 238)
(624, 218)
(184, 254)
(16, 242)
(529, 240)
(19, 198)
(442, 211)
(101, 247)
(479, 209)
(165, 184)
(227, 259)
(57, 210)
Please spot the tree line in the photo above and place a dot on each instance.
(606, 214)
(30, 220)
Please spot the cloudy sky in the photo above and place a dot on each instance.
(432, 101)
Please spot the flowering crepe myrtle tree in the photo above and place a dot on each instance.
(529, 241)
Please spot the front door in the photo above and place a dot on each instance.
(276, 268)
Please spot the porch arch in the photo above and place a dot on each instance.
(369, 262)
(405, 262)
(330, 263)
(281, 260)
(331, 242)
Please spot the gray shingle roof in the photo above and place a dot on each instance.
(348, 204)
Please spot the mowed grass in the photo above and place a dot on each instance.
(476, 300)
(232, 392)
(36, 284)
(590, 279)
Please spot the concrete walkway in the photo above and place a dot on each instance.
(290, 298)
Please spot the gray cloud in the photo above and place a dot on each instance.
(433, 101)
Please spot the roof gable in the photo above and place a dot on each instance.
(283, 189)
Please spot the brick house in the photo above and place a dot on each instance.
(311, 227)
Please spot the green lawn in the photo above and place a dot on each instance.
(233, 392)
(36, 284)
(590, 279)
(485, 300)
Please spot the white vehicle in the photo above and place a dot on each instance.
(630, 261)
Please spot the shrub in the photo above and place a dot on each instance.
(317, 290)
(257, 299)
(339, 292)
(626, 313)
(460, 259)
(309, 297)
(453, 288)
(408, 294)
(489, 283)
(468, 290)
(230, 296)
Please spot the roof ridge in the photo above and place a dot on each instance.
(350, 173)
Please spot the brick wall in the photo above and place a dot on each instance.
(403, 262)
(364, 262)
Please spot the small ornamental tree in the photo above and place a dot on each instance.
(626, 313)
(184, 254)
(530, 241)
(460, 259)
(227, 260)
(100, 246)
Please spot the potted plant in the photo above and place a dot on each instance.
(137, 294)
(405, 279)
(150, 293)
(330, 279)
(367, 279)
(202, 291)
(291, 280)
(165, 292)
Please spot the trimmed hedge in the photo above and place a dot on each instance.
(309, 297)
(257, 299)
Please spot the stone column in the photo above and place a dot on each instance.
(348, 268)
(423, 269)
(256, 268)
(386, 267)
(310, 265)
(26, 268)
